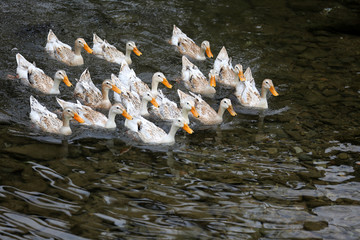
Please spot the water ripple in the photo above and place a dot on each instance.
(56, 180)
(14, 225)
(41, 200)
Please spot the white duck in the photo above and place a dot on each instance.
(194, 79)
(34, 77)
(95, 118)
(248, 95)
(226, 74)
(90, 95)
(208, 116)
(188, 47)
(63, 52)
(49, 122)
(128, 77)
(167, 110)
(105, 50)
(149, 133)
(187, 104)
(132, 100)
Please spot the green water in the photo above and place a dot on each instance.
(290, 172)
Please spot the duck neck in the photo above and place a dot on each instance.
(55, 87)
(127, 56)
(105, 94)
(66, 122)
(111, 120)
(77, 49)
(143, 108)
(202, 53)
(154, 87)
(65, 129)
(221, 112)
(171, 135)
(263, 93)
(185, 115)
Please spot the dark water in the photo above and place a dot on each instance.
(291, 172)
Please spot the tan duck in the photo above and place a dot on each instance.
(207, 115)
(194, 80)
(187, 104)
(35, 77)
(90, 95)
(63, 52)
(149, 133)
(95, 118)
(49, 122)
(135, 103)
(129, 79)
(104, 50)
(248, 95)
(188, 47)
(226, 74)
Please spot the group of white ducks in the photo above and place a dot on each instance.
(132, 95)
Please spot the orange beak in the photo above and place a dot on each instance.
(67, 82)
(154, 102)
(87, 48)
(166, 83)
(212, 81)
(137, 52)
(194, 112)
(231, 111)
(187, 128)
(209, 53)
(115, 89)
(241, 76)
(78, 118)
(126, 115)
(273, 91)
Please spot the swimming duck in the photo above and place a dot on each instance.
(128, 77)
(195, 80)
(35, 77)
(105, 50)
(95, 118)
(188, 47)
(187, 104)
(149, 133)
(227, 75)
(167, 110)
(208, 116)
(90, 95)
(49, 122)
(248, 95)
(63, 52)
(135, 103)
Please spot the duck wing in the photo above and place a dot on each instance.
(86, 91)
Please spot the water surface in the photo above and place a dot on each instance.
(290, 172)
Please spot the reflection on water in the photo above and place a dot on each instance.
(285, 173)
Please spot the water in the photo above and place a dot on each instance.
(291, 172)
